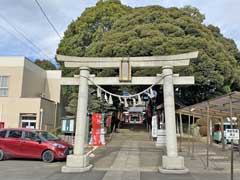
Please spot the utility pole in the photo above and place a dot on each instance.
(193, 138)
(231, 114)
(208, 134)
(189, 130)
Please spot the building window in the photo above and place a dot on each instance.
(28, 120)
(3, 86)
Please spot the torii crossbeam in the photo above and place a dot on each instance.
(171, 163)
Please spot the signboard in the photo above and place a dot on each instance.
(64, 125)
(67, 125)
(161, 138)
(108, 121)
(125, 71)
(154, 126)
(232, 134)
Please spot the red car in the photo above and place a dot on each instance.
(33, 144)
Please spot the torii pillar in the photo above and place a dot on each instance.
(79, 162)
(171, 162)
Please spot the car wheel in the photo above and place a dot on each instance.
(48, 156)
(1, 155)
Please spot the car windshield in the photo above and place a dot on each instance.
(47, 136)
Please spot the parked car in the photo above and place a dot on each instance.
(33, 144)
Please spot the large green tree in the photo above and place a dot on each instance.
(112, 29)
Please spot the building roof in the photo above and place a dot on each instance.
(220, 107)
(21, 61)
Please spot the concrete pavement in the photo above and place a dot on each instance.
(129, 156)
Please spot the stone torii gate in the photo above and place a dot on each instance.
(171, 163)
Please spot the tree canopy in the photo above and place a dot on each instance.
(45, 64)
(113, 29)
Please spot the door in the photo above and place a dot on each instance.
(13, 143)
(30, 147)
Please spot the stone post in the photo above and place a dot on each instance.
(181, 133)
(78, 162)
(171, 163)
(181, 125)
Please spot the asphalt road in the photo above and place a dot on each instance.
(37, 170)
(129, 156)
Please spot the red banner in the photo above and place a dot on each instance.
(140, 118)
(96, 129)
(108, 121)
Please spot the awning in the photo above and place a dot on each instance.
(220, 107)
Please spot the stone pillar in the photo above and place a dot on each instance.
(181, 125)
(78, 162)
(222, 133)
(177, 122)
(171, 163)
(181, 133)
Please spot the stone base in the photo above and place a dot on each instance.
(162, 145)
(169, 171)
(76, 163)
(173, 165)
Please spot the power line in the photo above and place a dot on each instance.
(48, 20)
(23, 35)
(12, 34)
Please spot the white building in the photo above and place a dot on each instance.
(29, 95)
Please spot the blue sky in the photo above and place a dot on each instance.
(27, 18)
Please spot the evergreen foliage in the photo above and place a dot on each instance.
(45, 64)
(112, 29)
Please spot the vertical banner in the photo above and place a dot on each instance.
(103, 118)
(129, 118)
(108, 121)
(102, 135)
(96, 129)
(140, 118)
(154, 126)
